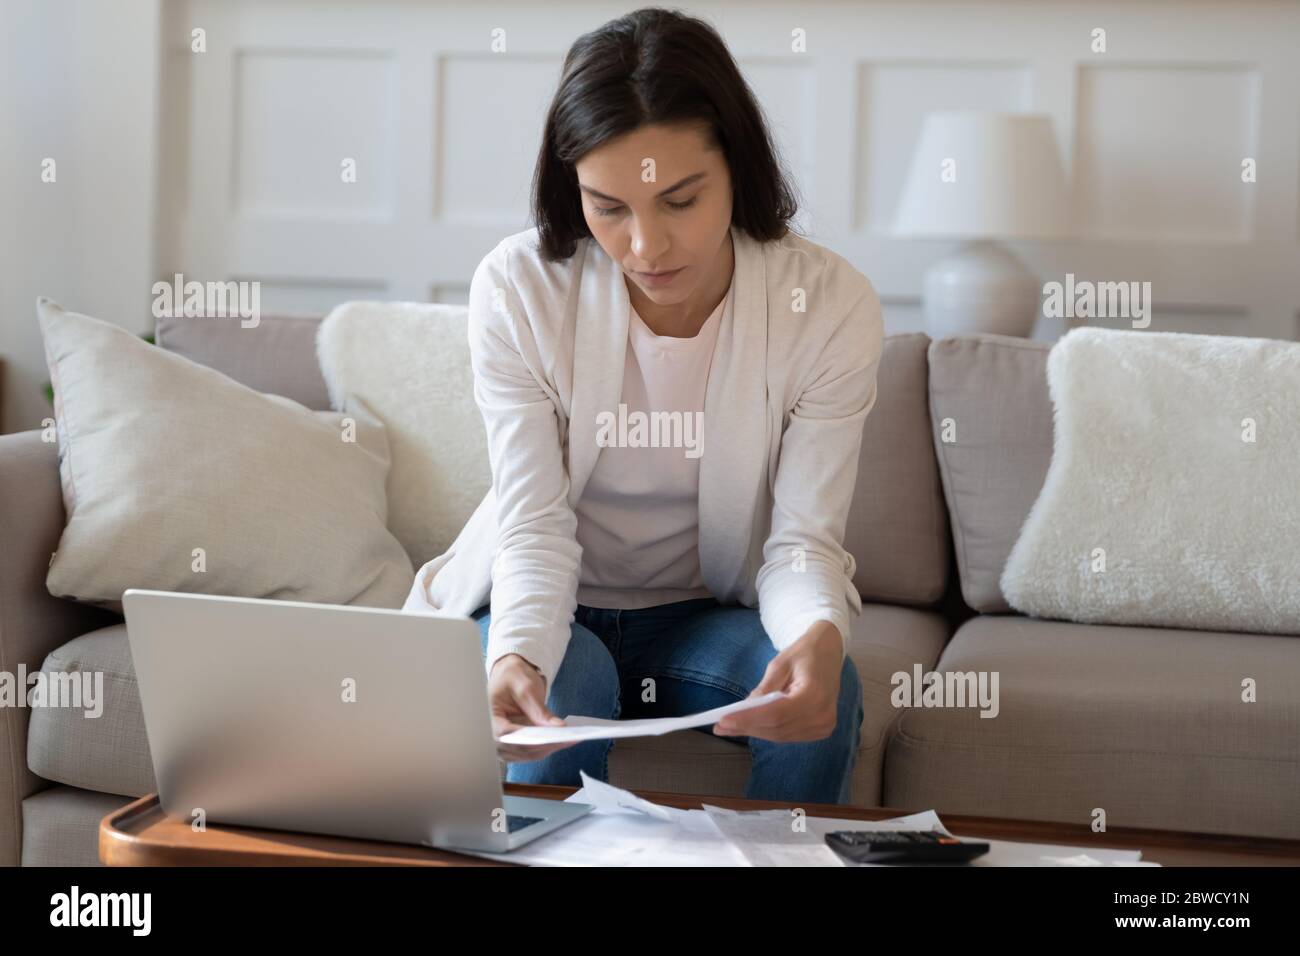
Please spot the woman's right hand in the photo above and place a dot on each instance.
(517, 698)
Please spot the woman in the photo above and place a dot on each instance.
(674, 387)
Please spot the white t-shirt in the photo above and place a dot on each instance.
(638, 517)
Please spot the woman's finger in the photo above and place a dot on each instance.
(758, 721)
(747, 723)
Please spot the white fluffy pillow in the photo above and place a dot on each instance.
(409, 363)
(178, 478)
(1157, 508)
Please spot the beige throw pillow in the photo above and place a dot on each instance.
(176, 477)
(408, 363)
(1171, 496)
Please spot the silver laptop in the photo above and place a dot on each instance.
(352, 721)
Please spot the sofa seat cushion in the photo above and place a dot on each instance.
(108, 753)
(61, 826)
(1148, 724)
(885, 639)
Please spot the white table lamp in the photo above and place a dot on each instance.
(982, 177)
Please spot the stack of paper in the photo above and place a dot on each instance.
(626, 830)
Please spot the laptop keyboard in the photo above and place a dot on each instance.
(514, 822)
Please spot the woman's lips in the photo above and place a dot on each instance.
(660, 278)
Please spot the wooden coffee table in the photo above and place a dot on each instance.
(140, 834)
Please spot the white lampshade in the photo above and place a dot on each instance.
(1009, 183)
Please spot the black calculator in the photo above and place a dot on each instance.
(902, 846)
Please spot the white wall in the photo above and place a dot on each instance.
(78, 83)
(445, 132)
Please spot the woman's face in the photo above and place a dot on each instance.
(658, 199)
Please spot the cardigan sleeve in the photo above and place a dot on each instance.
(537, 560)
(807, 575)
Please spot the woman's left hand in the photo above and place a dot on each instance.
(808, 671)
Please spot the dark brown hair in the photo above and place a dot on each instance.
(655, 66)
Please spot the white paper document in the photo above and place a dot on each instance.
(773, 837)
(787, 838)
(622, 831)
(779, 838)
(578, 728)
(608, 799)
(627, 830)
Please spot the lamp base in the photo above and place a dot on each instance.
(981, 288)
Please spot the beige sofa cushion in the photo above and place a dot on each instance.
(897, 529)
(178, 478)
(108, 753)
(991, 421)
(1146, 723)
(61, 826)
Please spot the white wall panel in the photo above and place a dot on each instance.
(787, 92)
(1160, 151)
(491, 109)
(79, 84)
(298, 116)
(1152, 131)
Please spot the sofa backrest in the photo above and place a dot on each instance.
(897, 529)
(278, 355)
(898, 526)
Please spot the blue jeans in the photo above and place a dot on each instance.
(696, 655)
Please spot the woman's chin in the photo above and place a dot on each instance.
(663, 296)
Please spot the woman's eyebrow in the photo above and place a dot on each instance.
(663, 192)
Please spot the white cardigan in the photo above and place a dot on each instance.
(792, 381)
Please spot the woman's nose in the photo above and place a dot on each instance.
(649, 242)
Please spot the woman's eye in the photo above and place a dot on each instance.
(612, 210)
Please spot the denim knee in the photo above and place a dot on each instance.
(587, 682)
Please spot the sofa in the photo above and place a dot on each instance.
(1141, 723)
